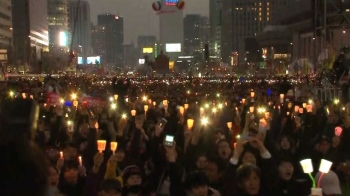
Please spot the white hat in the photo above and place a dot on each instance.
(329, 183)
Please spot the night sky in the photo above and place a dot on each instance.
(139, 18)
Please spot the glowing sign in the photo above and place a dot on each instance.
(63, 38)
(93, 60)
(173, 47)
(171, 65)
(147, 50)
(170, 2)
(141, 61)
(80, 60)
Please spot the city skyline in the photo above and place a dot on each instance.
(139, 18)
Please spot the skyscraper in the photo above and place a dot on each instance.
(5, 29)
(57, 14)
(80, 27)
(204, 34)
(192, 28)
(98, 41)
(171, 29)
(30, 30)
(247, 18)
(113, 26)
(215, 8)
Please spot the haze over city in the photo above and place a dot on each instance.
(139, 18)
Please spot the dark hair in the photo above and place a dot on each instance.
(218, 162)
(196, 179)
(24, 170)
(244, 171)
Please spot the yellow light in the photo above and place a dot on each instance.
(204, 121)
(188, 92)
(111, 99)
(114, 106)
(144, 98)
(218, 95)
(11, 93)
(238, 136)
(124, 116)
(74, 96)
(261, 110)
(206, 105)
(310, 101)
(69, 122)
(336, 101)
(61, 101)
(214, 110)
(220, 106)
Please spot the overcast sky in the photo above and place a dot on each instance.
(139, 18)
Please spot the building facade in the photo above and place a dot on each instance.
(204, 34)
(98, 43)
(80, 27)
(113, 27)
(5, 30)
(30, 31)
(244, 19)
(57, 14)
(192, 43)
(130, 55)
(215, 13)
(171, 30)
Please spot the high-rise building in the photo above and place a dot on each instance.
(146, 41)
(192, 28)
(80, 27)
(5, 30)
(57, 14)
(98, 43)
(215, 9)
(243, 19)
(226, 31)
(204, 34)
(113, 27)
(130, 55)
(171, 29)
(30, 30)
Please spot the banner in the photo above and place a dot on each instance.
(91, 101)
(52, 99)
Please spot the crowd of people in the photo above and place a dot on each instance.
(177, 137)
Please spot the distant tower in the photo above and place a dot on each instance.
(57, 14)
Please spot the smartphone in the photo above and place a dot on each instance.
(162, 123)
(169, 140)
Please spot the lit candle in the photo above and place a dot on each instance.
(190, 123)
(182, 110)
(114, 146)
(229, 125)
(61, 155)
(80, 161)
(186, 106)
(281, 98)
(133, 112)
